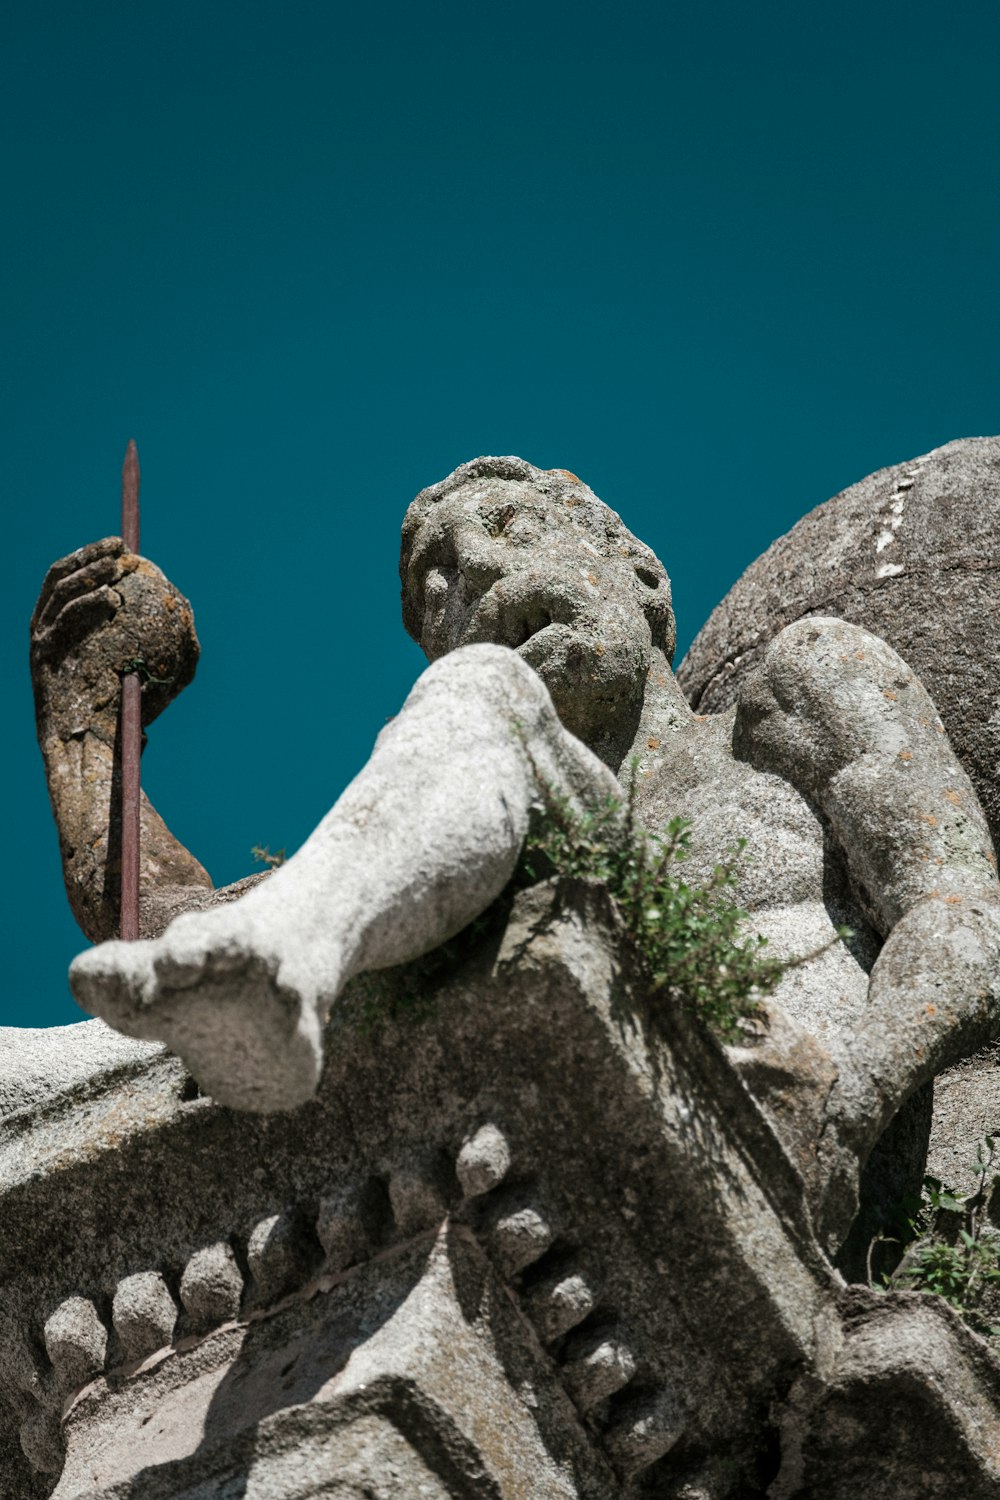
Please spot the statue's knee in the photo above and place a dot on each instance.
(820, 698)
(494, 678)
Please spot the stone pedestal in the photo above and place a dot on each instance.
(534, 1239)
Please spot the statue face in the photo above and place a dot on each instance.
(531, 559)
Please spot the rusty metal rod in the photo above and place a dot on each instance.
(131, 723)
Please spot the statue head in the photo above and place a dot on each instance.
(530, 558)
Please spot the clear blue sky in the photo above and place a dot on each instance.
(720, 260)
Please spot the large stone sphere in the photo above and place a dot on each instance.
(913, 554)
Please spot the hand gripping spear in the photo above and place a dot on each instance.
(131, 723)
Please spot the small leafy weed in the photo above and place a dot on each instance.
(948, 1253)
(263, 855)
(689, 938)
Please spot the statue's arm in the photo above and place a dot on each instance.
(100, 609)
(839, 714)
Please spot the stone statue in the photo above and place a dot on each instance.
(550, 634)
(543, 1235)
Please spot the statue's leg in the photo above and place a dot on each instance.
(934, 999)
(421, 841)
(841, 716)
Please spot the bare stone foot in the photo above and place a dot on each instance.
(219, 997)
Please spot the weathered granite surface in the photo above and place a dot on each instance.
(533, 1238)
(532, 1231)
(912, 553)
(38, 1065)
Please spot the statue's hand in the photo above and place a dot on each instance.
(77, 596)
(103, 612)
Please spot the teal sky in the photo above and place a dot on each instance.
(719, 260)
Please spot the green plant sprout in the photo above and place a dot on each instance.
(690, 938)
(263, 855)
(948, 1253)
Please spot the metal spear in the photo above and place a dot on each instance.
(131, 722)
